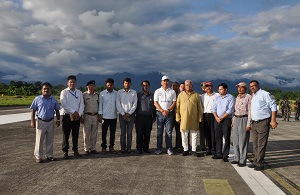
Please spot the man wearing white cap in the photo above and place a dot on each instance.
(241, 125)
(165, 102)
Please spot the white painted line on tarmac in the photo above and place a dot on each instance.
(13, 118)
(256, 180)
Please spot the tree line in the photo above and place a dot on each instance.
(20, 88)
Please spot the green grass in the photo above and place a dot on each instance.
(17, 100)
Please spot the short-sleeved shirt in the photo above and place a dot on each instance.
(91, 102)
(165, 98)
(45, 107)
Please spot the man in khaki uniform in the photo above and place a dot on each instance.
(90, 118)
(189, 113)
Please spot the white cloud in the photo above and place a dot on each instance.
(41, 33)
(170, 36)
(280, 23)
(63, 57)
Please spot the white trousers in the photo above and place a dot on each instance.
(44, 129)
(90, 132)
(193, 139)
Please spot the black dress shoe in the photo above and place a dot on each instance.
(95, 152)
(252, 166)
(50, 159)
(147, 151)
(185, 153)
(234, 162)
(87, 153)
(140, 151)
(259, 168)
(241, 164)
(194, 154)
(216, 157)
(225, 160)
(76, 153)
(208, 153)
(66, 156)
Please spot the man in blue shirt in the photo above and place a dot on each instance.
(223, 108)
(44, 107)
(263, 115)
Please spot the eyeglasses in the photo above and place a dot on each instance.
(145, 85)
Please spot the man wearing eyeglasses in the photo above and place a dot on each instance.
(145, 116)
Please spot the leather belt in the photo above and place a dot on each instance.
(45, 120)
(92, 114)
(241, 116)
(258, 121)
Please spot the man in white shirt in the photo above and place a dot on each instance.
(165, 102)
(126, 106)
(73, 105)
(108, 112)
(208, 117)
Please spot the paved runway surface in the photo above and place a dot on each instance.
(142, 174)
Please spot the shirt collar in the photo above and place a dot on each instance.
(213, 93)
(258, 91)
(125, 91)
(71, 90)
(167, 89)
(90, 92)
(109, 92)
(50, 97)
(242, 96)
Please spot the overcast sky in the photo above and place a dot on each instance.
(185, 39)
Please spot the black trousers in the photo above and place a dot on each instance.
(67, 127)
(178, 142)
(112, 124)
(223, 129)
(209, 131)
(143, 126)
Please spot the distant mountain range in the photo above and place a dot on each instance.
(154, 78)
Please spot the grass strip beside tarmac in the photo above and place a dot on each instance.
(283, 182)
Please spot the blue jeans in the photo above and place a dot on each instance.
(161, 123)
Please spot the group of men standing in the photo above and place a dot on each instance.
(184, 109)
(223, 113)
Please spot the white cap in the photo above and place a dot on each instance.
(165, 78)
(242, 84)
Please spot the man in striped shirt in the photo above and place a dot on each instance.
(241, 125)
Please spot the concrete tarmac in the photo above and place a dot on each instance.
(137, 174)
